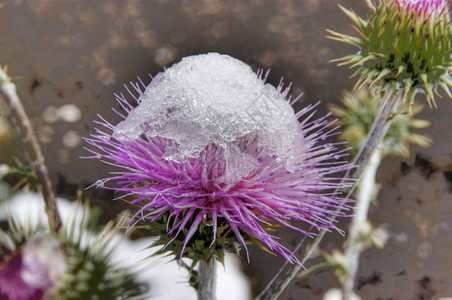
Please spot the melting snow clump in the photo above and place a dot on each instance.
(215, 99)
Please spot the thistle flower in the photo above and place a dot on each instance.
(214, 156)
(359, 112)
(404, 45)
(74, 263)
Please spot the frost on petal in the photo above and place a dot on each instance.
(215, 99)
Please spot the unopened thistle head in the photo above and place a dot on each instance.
(359, 112)
(403, 44)
(215, 158)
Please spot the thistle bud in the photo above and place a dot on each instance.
(404, 45)
(359, 112)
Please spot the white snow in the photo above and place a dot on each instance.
(336, 294)
(214, 98)
(44, 260)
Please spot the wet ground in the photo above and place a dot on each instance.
(73, 55)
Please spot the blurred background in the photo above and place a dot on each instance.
(72, 55)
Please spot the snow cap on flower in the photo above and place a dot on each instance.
(404, 45)
(43, 260)
(213, 154)
(215, 99)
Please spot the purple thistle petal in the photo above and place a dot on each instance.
(29, 273)
(425, 9)
(12, 285)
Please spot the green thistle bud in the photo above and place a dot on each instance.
(73, 263)
(359, 112)
(404, 45)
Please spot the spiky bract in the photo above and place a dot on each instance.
(203, 245)
(199, 212)
(359, 112)
(404, 45)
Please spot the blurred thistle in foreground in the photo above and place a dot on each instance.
(73, 263)
(215, 158)
(404, 45)
(359, 112)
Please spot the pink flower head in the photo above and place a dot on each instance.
(12, 284)
(423, 7)
(31, 272)
(210, 141)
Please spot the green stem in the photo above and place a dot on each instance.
(363, 199)
(37, 162)
(307, 247)
(207, 280)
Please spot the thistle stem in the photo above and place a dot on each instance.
(37, 162)
(363, 198)
(306, 247)
(207, 280)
